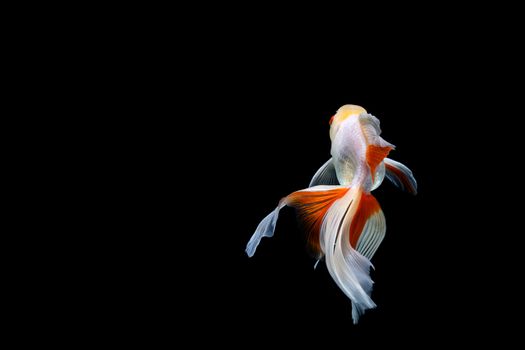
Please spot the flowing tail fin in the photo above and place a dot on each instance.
(312, 204)
(265, 228)
(350, 234)
(344, 224)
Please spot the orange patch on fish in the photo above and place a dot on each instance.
(374, 156)
(367, 207)
(312, 207)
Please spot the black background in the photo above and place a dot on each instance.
(277, 292)
(213, 141)
(173, 133)
(251, 138)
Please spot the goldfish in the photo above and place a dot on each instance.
(343, 222)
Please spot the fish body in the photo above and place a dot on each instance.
(343, 222)
(357, 149)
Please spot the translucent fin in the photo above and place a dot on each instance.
(325, 175)
(316, 263)
(367, 208)
(401, 176)
(349, 269)
(372, 235)
(266, 228)
(312, 205)
(379, 176)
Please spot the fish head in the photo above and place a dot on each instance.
(342, 114)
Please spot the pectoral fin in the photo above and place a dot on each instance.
(325, 175)
(401, 176)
